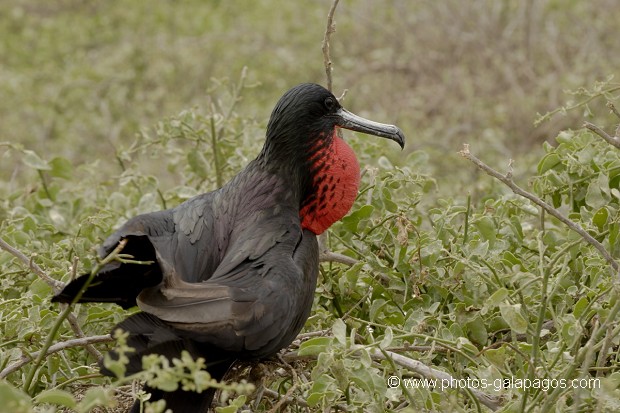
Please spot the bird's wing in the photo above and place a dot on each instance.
(118, 282)
(156, 237)
(259, 296)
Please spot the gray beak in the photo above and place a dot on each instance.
(348, 120)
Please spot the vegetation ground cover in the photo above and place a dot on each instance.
(111, 109)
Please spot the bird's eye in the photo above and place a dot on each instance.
(329, 103)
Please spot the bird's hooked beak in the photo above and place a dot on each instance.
(351, 121)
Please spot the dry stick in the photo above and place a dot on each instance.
(615, 111)
(75, 326)
(331, 28)
(614, 141)
(72, 319)
(430, 373)
(287, 397)
(114, 255)
(507, 180)
(56, 285)
(76, 342)
(328, 256)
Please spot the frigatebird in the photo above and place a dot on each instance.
(234, 271)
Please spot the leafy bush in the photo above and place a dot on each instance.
(424, 279)
(486, 290)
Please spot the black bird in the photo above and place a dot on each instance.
(234, 270)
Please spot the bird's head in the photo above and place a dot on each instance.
(306, 117)
(302, 143)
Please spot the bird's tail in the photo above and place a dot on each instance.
(150, 335)
(118, 282)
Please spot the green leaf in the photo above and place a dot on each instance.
(315, 346)
(95, 396)
(494, 300)
(600, 218)
(580, 306)
(61, 168)
(40, 288)
(497, 297)
(339, 329)
(497, 356)
(384, 163)
(387, 338)
(14, 400)
(375, 307)
(320, 389)
(57, 397)
(351, 221)
(197, 163)
(565, 136)
(477, 331)
(33, 160)
(510, 259)
(487, 229)
(233, 405)
(614, 235)
(511, 313)
(549, 161)
(598, 194)
(571, 330)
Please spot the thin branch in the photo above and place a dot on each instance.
(287, 399)
(329, 256)
(72, 319)
(331, 28)
(67, 310)
(55, 284)
(613, 108)
(63, 345)
(75, 326)
(507, 180)
(577, 105)
(430, 373)
(310, 334)
(600, 132)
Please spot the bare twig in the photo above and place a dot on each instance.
(318, 333)
(55, 284)
(600, 132)
(507, 180)
(577, 105)
(76, 342)
(75, 326)
(430, 373)
(329, 256)
(66, 311)
(72, 319)
(287, 399)
(613, 108)
(331, 28)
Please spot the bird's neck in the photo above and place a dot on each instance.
(323, 178)
(333, 185)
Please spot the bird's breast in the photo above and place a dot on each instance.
(335, 185)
